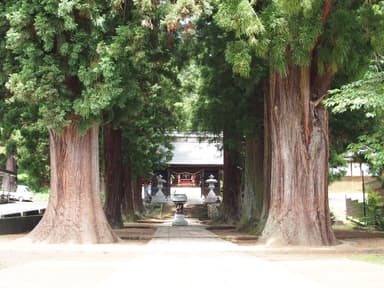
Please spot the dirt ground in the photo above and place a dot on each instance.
(142, 233)
(351, 241)
(351, 244)
(100, 262)
(25, 265)
(367, 239)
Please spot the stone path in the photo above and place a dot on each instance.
(187, 238)
(187, 256)
(191, 256)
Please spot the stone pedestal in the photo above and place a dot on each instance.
(211, 198)
(179, 200)
(213, 211)
(179, 220)
(159, 198)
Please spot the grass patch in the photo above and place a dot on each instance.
(42, 195)
(371, 258)
(348, 226)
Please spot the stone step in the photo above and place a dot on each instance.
(196, 211)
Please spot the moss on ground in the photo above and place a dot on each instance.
(371, 258)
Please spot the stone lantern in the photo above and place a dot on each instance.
(211, 197)
(159, 197)
(179, 200)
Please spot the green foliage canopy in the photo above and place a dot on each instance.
(227, 102)
(54, 44)
(336, 34)
(365, 93)
(142, 57)
(89, 61)
(364, 98)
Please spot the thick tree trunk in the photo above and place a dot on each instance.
(113, 171)
(74, 213)
(253, 184)
(9, 181)
(267, 159)
(232, 185)
(299, 212)
(128, 207)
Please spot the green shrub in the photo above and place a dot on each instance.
(375, 211)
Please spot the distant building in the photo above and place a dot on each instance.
(353, 169)
(194, 159)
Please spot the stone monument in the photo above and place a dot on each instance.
(211, 197)
(159, 197)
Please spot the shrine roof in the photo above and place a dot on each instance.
(192, 149)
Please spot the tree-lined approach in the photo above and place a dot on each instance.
(65, 65)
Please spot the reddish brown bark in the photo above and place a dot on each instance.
(232, 184)
(267, 160)
(257, 168)
(326, 11)
(253, 193)
(128, 206)
(113, 172)
(74, 212)
(9, 181)
(298, 127)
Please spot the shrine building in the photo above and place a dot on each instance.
(194, 159)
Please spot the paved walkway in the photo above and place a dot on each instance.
(187, 238)
(187, 256)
